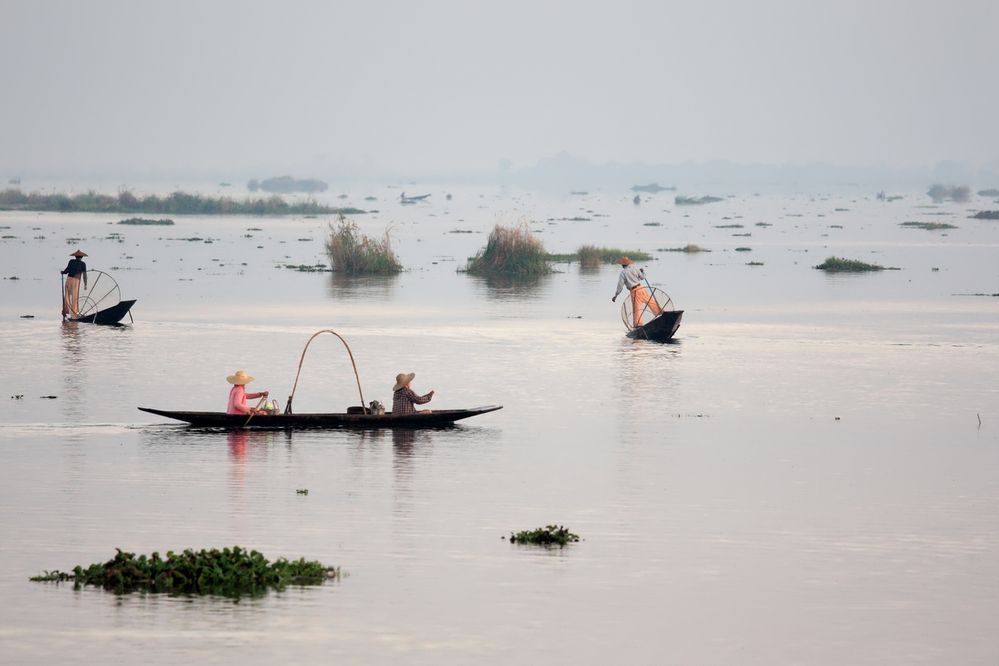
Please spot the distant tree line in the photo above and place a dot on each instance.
(287, 185)
(958, 193)
(177, 203)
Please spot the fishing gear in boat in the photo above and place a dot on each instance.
(659, 327)
(100, 301)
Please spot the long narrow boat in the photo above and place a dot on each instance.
(660, 329)
(436, 419)
(108, 316)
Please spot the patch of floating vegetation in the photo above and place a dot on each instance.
(841, 265)
(550, 535)
(986, 215)
(353, 253)
(991, 192)
(764, 224)
(728, 226)
(652, 224)
(743, 249)
(754, 263)
(145, 221)
(461, 231)
(841, 210)
(177, 203)
(309, 268)
(693, 201)
(590, 256)
(835, 226)
(747, 235)
(929, 226)
(230, 572)
(510, 252)
(690, 248)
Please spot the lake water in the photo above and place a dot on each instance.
(802, 477)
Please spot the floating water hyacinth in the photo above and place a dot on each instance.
(230, 572)
(550, 535)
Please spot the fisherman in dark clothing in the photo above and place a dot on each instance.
(71, 293)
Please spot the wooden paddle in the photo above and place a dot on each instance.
(252, 414)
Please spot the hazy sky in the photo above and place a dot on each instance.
(424, 87)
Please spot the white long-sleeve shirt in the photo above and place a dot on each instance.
(631, 277)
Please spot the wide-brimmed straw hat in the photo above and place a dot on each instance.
(79, 253)
(403, 379)
(240, 378)
(624, 261)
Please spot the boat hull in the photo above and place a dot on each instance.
(660, 329)
(108, 316)
(436, 419)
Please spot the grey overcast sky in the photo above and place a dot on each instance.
(441, 87)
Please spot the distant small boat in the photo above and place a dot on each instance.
(411, 200)
(352, 419)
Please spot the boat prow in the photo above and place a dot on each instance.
(435, 419)
(109, 316)
(660, 329)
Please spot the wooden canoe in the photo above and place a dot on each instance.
(108, 316)
(660, 329)
(436, 419)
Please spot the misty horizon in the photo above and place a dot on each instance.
(896, 92)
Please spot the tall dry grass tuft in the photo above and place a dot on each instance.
(353, 253)
(510, 251)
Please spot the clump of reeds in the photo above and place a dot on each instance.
(690, 248)
(550, 535)
(511, 252)
(353, 253)
(986, 215)
(228, 572)
(841, 265)
(591, 256)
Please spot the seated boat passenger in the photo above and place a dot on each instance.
(404, 399)
(238, 395)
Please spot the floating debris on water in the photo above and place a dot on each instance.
(302, 491)
(986, 215)
(693, 201)
(690, 248)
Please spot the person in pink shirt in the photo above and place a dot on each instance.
(238, 395)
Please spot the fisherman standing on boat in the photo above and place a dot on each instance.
(404, 398)
(632, 277)
(238, 395)
(71, 291)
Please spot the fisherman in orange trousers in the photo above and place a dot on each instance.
(632, 278)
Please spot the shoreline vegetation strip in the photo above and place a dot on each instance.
(177, 203)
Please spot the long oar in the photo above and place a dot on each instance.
(252, 414)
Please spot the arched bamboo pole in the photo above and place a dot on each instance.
(287, 409)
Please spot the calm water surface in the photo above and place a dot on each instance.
(800, 478)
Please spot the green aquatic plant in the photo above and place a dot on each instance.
(840, 265)
(550, 535)
(308, 268)
(510, 252)
(353, 253)
(754, 263)
(144, 221)
(986, 215)
(230, 572)
(929, 226)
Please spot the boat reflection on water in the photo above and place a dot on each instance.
(74, 372)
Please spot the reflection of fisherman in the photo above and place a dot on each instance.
(71, 293)
(632, 277)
